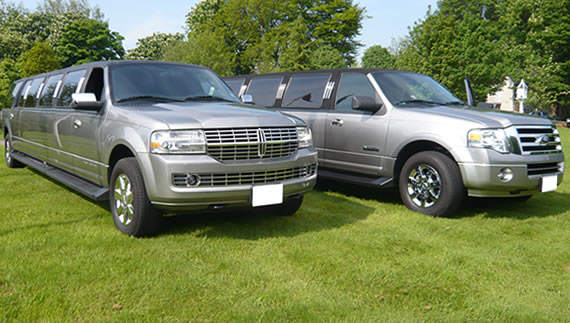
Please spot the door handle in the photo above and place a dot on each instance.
(76, 124)
(11, 116)
(337, 122)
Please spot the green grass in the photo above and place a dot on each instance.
(350, 254)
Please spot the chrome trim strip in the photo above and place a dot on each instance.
(61, 151)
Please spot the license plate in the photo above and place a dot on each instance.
(549, 183)
(266, 195)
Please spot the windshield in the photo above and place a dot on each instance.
(167, 82)
(405, 88)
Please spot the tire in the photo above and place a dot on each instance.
(430, 183)
(132, 211)
(288, 208)
(10, 161)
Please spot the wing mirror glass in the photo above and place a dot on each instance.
(86, 101)
(365, 103)
(247, 99)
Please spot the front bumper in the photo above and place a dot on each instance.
(480, 176)
(158, 173)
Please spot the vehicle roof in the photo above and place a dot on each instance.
(104, 64)
(337, 70)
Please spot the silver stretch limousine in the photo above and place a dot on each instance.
(154, 136)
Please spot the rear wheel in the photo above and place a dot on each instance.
(132, 211)
(430, 183)
(10, 161)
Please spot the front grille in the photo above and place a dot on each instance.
(542, 169)
(539, 140)
(251, 143)
(244, 178)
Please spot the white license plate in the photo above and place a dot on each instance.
(266, 195)
(549, 183)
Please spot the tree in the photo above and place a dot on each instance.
(89, 40)
(152, 47)
(9, 72)
(326, 57)
(255, 32)
(39, 59)
(378, 57)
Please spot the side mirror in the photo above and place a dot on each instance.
(247, 99)
(86, 101)
(365, 103)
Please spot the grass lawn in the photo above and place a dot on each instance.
(350, 254)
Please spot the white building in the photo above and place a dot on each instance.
(505, 98)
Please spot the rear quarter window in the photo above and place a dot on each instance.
(48, 92)
(305, 91)
(69, 86)
(11, 97)
(31, 94)
(264, 90)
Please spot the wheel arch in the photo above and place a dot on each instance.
(415, 147)
(118, 152)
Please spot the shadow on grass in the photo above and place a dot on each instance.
(319, 212)
(540, 205)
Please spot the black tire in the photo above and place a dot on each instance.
(132, 211)
(430, 183)
(10, 161)
(288, 208)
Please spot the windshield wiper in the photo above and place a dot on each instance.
(403, 102)
(207, 97)
(147, 97)
(454, 103)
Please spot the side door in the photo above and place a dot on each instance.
(85, 130)
(355, 140)
(307, 96)
(61, 124)
(32, 126)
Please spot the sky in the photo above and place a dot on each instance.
(133, 19)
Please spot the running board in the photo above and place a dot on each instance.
(93, 191)
(356, 179)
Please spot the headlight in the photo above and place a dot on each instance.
(304, 137)
(495, 139)
(178, 142)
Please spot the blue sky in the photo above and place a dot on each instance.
(134, 19)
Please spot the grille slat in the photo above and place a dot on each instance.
(246, 178)
(251, 143)
(543, 169)
(539, 140)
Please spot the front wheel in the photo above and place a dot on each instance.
(10, 161)
(132, 211)
(430, 183)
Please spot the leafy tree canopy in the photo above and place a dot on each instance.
(378, 57)
(89, 40)
(152, 47)
(39, 59)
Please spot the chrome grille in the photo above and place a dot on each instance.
(543, 169)
(539, 140)
(243, 178)
(251, 143)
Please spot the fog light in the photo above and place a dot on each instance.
(192, 180)
(505, 175)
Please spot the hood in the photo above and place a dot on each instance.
(207, 115)
(483, 117)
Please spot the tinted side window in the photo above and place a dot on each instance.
(305, 91)
(235, 85)
(12, 97)
(352, 84)
(95, 83)
(69, 86)
(23, 93)
(30, 98)
(264, 90)
(49, 90)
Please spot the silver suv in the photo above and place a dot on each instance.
(384, 127)
(153, 136)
